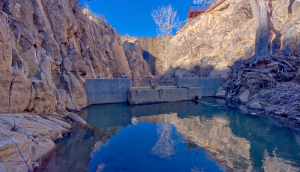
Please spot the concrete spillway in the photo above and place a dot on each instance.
(147, 96)
(102, 91)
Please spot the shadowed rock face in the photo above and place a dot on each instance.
(47, 49)
(155, 51)
(139, 67)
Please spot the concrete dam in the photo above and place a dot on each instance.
(103, 91)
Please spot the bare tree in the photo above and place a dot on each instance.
(166, 20)
(261, 25)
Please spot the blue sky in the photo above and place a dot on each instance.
(133, 16)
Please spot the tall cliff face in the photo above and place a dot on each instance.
(139, 66)
(47, 49)
(215, 40)
(155, 52)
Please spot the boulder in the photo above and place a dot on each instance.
(221, 94)
(256, 105)
(179, 73)
(76, 118)
(244, 97)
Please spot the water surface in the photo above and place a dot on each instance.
(180, 136)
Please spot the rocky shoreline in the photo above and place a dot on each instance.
(270, 85)
(26, 139)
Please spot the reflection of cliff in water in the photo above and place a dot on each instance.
(277, 164)
(229, 134)
(73, 152)
(214, 135)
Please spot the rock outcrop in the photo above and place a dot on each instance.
(139, 66)
(217, 39)
(47, 50)
(26, 138)
(155, 52)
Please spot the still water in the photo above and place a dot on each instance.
(177, 137)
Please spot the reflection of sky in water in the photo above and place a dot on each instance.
(150, 147)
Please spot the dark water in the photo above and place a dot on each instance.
(176, 137)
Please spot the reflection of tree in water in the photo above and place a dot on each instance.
(164, 147)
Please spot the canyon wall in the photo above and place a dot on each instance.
(139, 66)
(47, 50)
(155, 50)
(215, 40)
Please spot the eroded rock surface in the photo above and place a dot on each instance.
(25, 138)
(214, 41)
(139, 66)
(47, 50)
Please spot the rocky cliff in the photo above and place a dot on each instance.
(47, 49)
(215, 40)
(139, 66)
(155, 50)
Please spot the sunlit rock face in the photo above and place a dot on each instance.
(26, 138)
(214, 135)
(47, 50)
(215, 40)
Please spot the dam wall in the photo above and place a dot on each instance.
(209, 86)
(163, 95)
(119, 90)
(102, 91)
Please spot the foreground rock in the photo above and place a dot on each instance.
(76, 118)
(25, 139)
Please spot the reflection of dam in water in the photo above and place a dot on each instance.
(158, 133)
